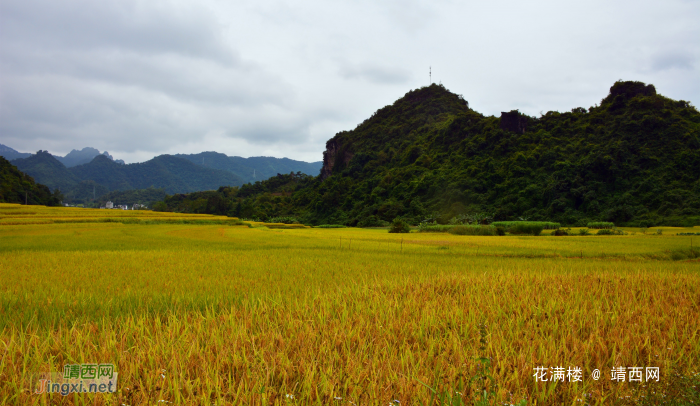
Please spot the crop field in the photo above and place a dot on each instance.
(207, 310)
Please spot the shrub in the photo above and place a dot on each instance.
(399, 226)
(679, 255)
(583, 231)
(546, 225)
(601, 225)
(530, 228)
(560, 232)
(434, 228)
(475, 219)
(473, 230)
(283, 220)
(608, 231)
(659, 231)
(500, 230)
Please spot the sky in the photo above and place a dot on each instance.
(280, 78)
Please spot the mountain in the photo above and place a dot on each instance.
(254, 168)
(634, 159)
(175, 175)
(11, 154)
(73, 158)
(85, 155)
(86, 174)
(101, 175)
(17, 187)
(48, 170)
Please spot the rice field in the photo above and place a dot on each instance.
(207, 310)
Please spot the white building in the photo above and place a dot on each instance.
(109, 205)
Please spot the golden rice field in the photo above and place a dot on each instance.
(205, 310)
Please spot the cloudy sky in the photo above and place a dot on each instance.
(278, 78)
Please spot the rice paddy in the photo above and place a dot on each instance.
(207, 310)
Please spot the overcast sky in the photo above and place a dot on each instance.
(279, 78)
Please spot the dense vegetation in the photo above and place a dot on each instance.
(634, 159)
(260, 200)
(129, 197)
(17, 187)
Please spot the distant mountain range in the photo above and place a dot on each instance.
(10, 154)
(85, 155)
(73, 158)
(254, 168)
(87, 174)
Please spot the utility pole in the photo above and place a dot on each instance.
(253, 173)
(430, 73)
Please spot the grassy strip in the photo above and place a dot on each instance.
(331, 226)
(283, 225)
(235, 222)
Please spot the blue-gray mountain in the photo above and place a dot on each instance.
(73, 158)
(10, 154)
(84, 182)
(254, 168)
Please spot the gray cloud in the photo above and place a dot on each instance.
(672, 60)
(375, 73)
(143, 77)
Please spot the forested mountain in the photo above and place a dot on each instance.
(633, 159)
(254, 168)
(87, 173)
(101, 175)
(48, 170)
(17, 187)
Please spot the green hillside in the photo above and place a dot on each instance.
(48, 170)
(254, 168)
(633, 159)
(17, 187)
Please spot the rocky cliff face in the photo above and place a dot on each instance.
(334, 155)
(514, 121)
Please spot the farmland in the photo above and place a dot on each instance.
(198, 309)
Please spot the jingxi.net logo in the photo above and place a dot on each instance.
(78, 378)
